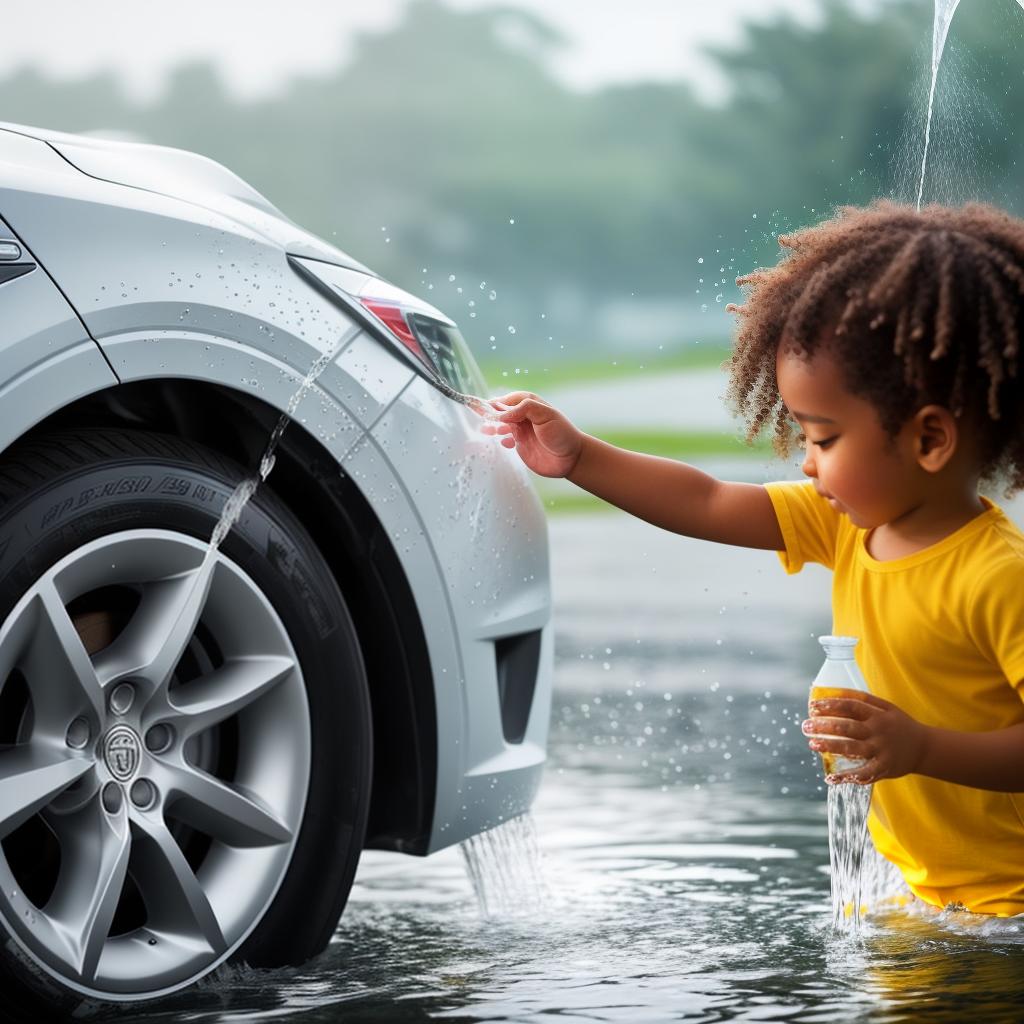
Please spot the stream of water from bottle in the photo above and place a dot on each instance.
(848, 805)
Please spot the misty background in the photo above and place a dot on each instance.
(567, 223)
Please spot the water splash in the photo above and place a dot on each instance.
(848, 805)
(504, 865)
(944, 11)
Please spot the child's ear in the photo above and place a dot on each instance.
(935, 436)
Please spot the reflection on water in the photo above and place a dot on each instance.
(682, 827)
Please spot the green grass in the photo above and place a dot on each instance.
(537, 373)
(683, 444)
(574, 503)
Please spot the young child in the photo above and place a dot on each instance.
(886, 344)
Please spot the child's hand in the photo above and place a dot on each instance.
(546, 441)
(890, 742)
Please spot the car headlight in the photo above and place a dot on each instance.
(423, 334)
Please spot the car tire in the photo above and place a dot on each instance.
(147, 503)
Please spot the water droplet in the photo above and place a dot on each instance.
(451, 277)
(718, 297)
(703, 307)
(492, 295)
(511, 329)
(700, 259)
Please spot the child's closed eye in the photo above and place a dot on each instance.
(825, 444)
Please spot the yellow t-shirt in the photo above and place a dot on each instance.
(942, 637)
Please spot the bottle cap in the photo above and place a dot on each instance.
(838, 648)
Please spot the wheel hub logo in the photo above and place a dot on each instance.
(122, 752)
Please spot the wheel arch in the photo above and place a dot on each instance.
(355, 547)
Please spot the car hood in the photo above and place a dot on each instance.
(188, 176)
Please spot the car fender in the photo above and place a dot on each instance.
(47, 359)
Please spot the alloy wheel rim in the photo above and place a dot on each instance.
(163, 773)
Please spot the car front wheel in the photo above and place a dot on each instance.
(184, 737)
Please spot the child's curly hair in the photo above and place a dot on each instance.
(920, 307)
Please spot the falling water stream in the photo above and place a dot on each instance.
(944, 11)
(848, 805)
(504, 867)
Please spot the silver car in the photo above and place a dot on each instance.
(195, 750)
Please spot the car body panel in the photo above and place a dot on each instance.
(47, 359)
(200, 288)
(489, 535)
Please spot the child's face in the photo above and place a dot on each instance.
(852, 460)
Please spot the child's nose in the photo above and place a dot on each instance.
(808, 468)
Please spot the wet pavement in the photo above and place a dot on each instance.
(682, 831)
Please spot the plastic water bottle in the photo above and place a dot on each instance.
(839, 673)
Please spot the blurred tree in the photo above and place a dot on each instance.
(446, 143)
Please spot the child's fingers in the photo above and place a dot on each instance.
(834, 745)
(840, 707)
(528, 408)
(495, 428)
(478, 405)
(835, 727)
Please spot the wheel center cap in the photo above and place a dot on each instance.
(122, 751)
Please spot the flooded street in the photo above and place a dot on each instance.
(683, 836)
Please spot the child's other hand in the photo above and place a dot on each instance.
(546, 441)
(890, 742)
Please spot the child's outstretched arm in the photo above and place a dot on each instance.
(664, 492)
